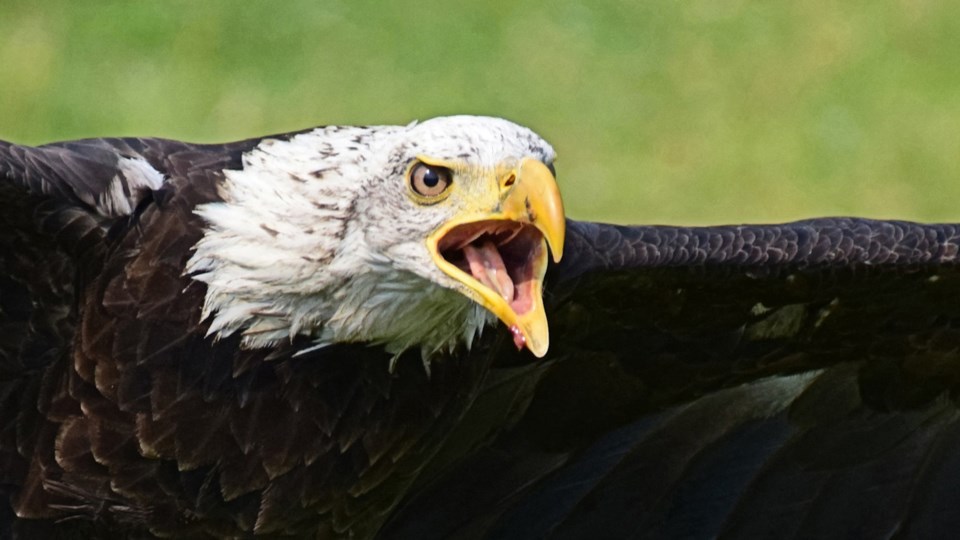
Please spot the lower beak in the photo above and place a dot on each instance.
(501, 257)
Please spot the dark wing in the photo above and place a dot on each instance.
(59, 203)
(60, 200)
(65, 209)
(795, 380)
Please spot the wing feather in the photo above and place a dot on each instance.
(746, 381)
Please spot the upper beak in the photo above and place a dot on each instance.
(501, 256)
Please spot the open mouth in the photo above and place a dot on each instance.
(505, 256)
(498, 255)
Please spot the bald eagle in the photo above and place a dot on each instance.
(343, 332)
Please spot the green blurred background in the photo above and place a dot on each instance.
(694, 111)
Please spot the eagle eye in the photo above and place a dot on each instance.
(429, 180)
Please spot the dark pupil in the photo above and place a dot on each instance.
(431, 178)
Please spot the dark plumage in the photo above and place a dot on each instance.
(752, 381)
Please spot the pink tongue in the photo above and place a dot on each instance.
(518, 340)
(487, 267)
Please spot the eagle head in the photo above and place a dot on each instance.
(405, 236)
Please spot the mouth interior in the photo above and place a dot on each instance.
(502, 255)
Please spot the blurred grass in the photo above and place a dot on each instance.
(700, 111)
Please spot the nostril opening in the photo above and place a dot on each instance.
(510, 180)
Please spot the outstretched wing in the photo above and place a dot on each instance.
(793, 380)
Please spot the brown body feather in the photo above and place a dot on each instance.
(128, 415)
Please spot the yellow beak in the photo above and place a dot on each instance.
(503, 253)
